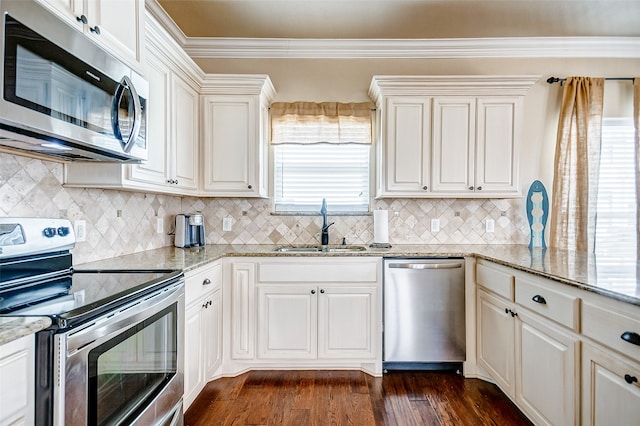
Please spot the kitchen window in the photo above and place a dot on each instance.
(617, 203)
(321, 151)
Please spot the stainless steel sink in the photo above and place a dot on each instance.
(320, 249)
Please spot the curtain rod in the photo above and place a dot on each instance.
(552, 80)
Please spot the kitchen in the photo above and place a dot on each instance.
(125, 222)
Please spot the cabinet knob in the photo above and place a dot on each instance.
(313, 292)
(630, 379)
(425, 187)
(539, 299)
(249, 186)
(471, 188)
(205, 305)
(206, 281)
(322, 290)
(95, 30)
(631, 337)
(514, 314)
(479, 188)
(506, 311)
(82, 19)
(175, 181)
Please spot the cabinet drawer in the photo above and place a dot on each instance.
(202, 281)
(556, 305)
(495, 279)
(607, 325)
(318, 272)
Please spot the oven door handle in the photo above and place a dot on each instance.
(104, 327)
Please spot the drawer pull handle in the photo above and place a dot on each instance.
(631, 337)
(206, 281)
(630, 379)
(539, 299)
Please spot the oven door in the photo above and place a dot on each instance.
(125, 367)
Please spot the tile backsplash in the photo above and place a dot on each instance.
(122, 222)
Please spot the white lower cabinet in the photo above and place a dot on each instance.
(610, 388)
(531, 358)
(304, 313)
(547, 371)
(309, 322)
(496, 340)
(203, 329)
(17, 382)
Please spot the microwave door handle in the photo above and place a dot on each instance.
(125, 84)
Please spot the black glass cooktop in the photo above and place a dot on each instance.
(81, 294)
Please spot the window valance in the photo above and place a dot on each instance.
(327, 122)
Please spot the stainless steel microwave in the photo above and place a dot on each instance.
(62, 95)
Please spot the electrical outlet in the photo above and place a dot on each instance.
(435, 225)
(489, 225)
(159, 225)
(80, 229)
(227, 222)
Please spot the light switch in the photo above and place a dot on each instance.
(435, 225)
(227, 222)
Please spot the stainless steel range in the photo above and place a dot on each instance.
(114, 353)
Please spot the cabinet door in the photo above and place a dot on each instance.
(120, 24)
(406, 155)
(232, 145)
(346, 322)
(497, 150)
(495, 340)
(243, 279)
(610, 395)
(212, 335)
(547, 370)
(17, 382)
(184, 133)
(68, 10)
(454, 127)
(155, 169)
(288, 321)
(193, 377)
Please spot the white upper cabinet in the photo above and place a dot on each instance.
(449, 136)
(407, 132)
(116, 25)
(235, 135)
(453, 162)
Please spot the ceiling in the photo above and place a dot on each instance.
(404, 19)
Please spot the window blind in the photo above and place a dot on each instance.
(616, 208)
(305, 174)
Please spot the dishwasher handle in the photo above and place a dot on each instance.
(425, 265)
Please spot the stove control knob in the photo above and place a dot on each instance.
(49, 232)
(63, 231)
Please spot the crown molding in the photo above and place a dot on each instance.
(493, 47)
(519, 47)
(431, 85)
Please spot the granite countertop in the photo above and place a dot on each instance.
(610, 277)
(13, 328)
(613, 278)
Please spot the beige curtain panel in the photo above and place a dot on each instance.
(326, 122)
(636, 123)
(577, 164)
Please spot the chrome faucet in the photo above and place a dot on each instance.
(325, 226)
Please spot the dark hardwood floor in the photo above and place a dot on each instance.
(351, 398)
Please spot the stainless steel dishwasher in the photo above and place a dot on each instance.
(424, 313)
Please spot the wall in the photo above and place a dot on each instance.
(30, 187)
